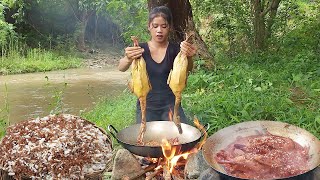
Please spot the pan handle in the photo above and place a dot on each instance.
(111, 130)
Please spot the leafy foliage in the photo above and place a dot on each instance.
(6, 29)
(267, 87)
(229, 25)
(131, 16)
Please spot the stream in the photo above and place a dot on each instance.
(73, 90)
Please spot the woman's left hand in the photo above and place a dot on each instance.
(189, 49)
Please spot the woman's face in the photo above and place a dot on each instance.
(159, 29)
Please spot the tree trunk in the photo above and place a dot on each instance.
(96, 28)
(262, 29)
(258, 24)
(182, 23)
(273, 12)
(84, 17)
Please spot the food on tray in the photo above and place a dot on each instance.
(264, 157)
(54, 147)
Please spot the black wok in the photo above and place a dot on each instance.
(156, 131)
(226, 136)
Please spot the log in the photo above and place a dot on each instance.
(166, 173)
(156, 172)
(138, 174)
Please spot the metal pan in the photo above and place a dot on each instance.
(156, 131)
(228, 135)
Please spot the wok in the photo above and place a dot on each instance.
(228, 135)
(156, 131)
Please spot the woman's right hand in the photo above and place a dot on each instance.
(133, 53)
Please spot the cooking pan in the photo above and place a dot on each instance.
(228, 135)
(156, 131)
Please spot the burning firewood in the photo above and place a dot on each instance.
(139, 173)
(166, 173)
(55, 147)
(157, 171)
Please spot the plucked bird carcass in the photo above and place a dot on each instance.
(177, 80)
(140, 86)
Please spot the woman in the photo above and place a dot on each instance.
(159, 55)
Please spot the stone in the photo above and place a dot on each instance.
(195, 165)
(125, 164)
(209, 174)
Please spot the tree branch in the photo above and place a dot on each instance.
(74, 13)
(262, 14)
(272, 6)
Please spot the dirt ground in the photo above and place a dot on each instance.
(106, 56)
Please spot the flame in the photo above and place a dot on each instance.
(174, 160)
(153, 160)
(202, 129)
(169, 151)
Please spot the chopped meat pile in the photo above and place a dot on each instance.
(54, 147)
(172, 141)
(264, 157)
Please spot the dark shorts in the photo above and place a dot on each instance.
(160, 114)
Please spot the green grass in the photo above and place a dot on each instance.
(36, 60)
(3, 126)
(4, 114)
(118, 111)
(258, 88)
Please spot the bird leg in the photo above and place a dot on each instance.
(176, 117)
(143, 127)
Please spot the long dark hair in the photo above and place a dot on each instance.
(161, 11)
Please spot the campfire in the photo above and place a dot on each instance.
(171, 165)
(174, 164)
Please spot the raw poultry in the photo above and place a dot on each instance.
(140, 86)
(177, 80)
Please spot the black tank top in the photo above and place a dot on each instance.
(160, 95)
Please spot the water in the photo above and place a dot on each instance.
(36, 94)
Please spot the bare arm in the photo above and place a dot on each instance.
(131, 53)
(124, 64)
